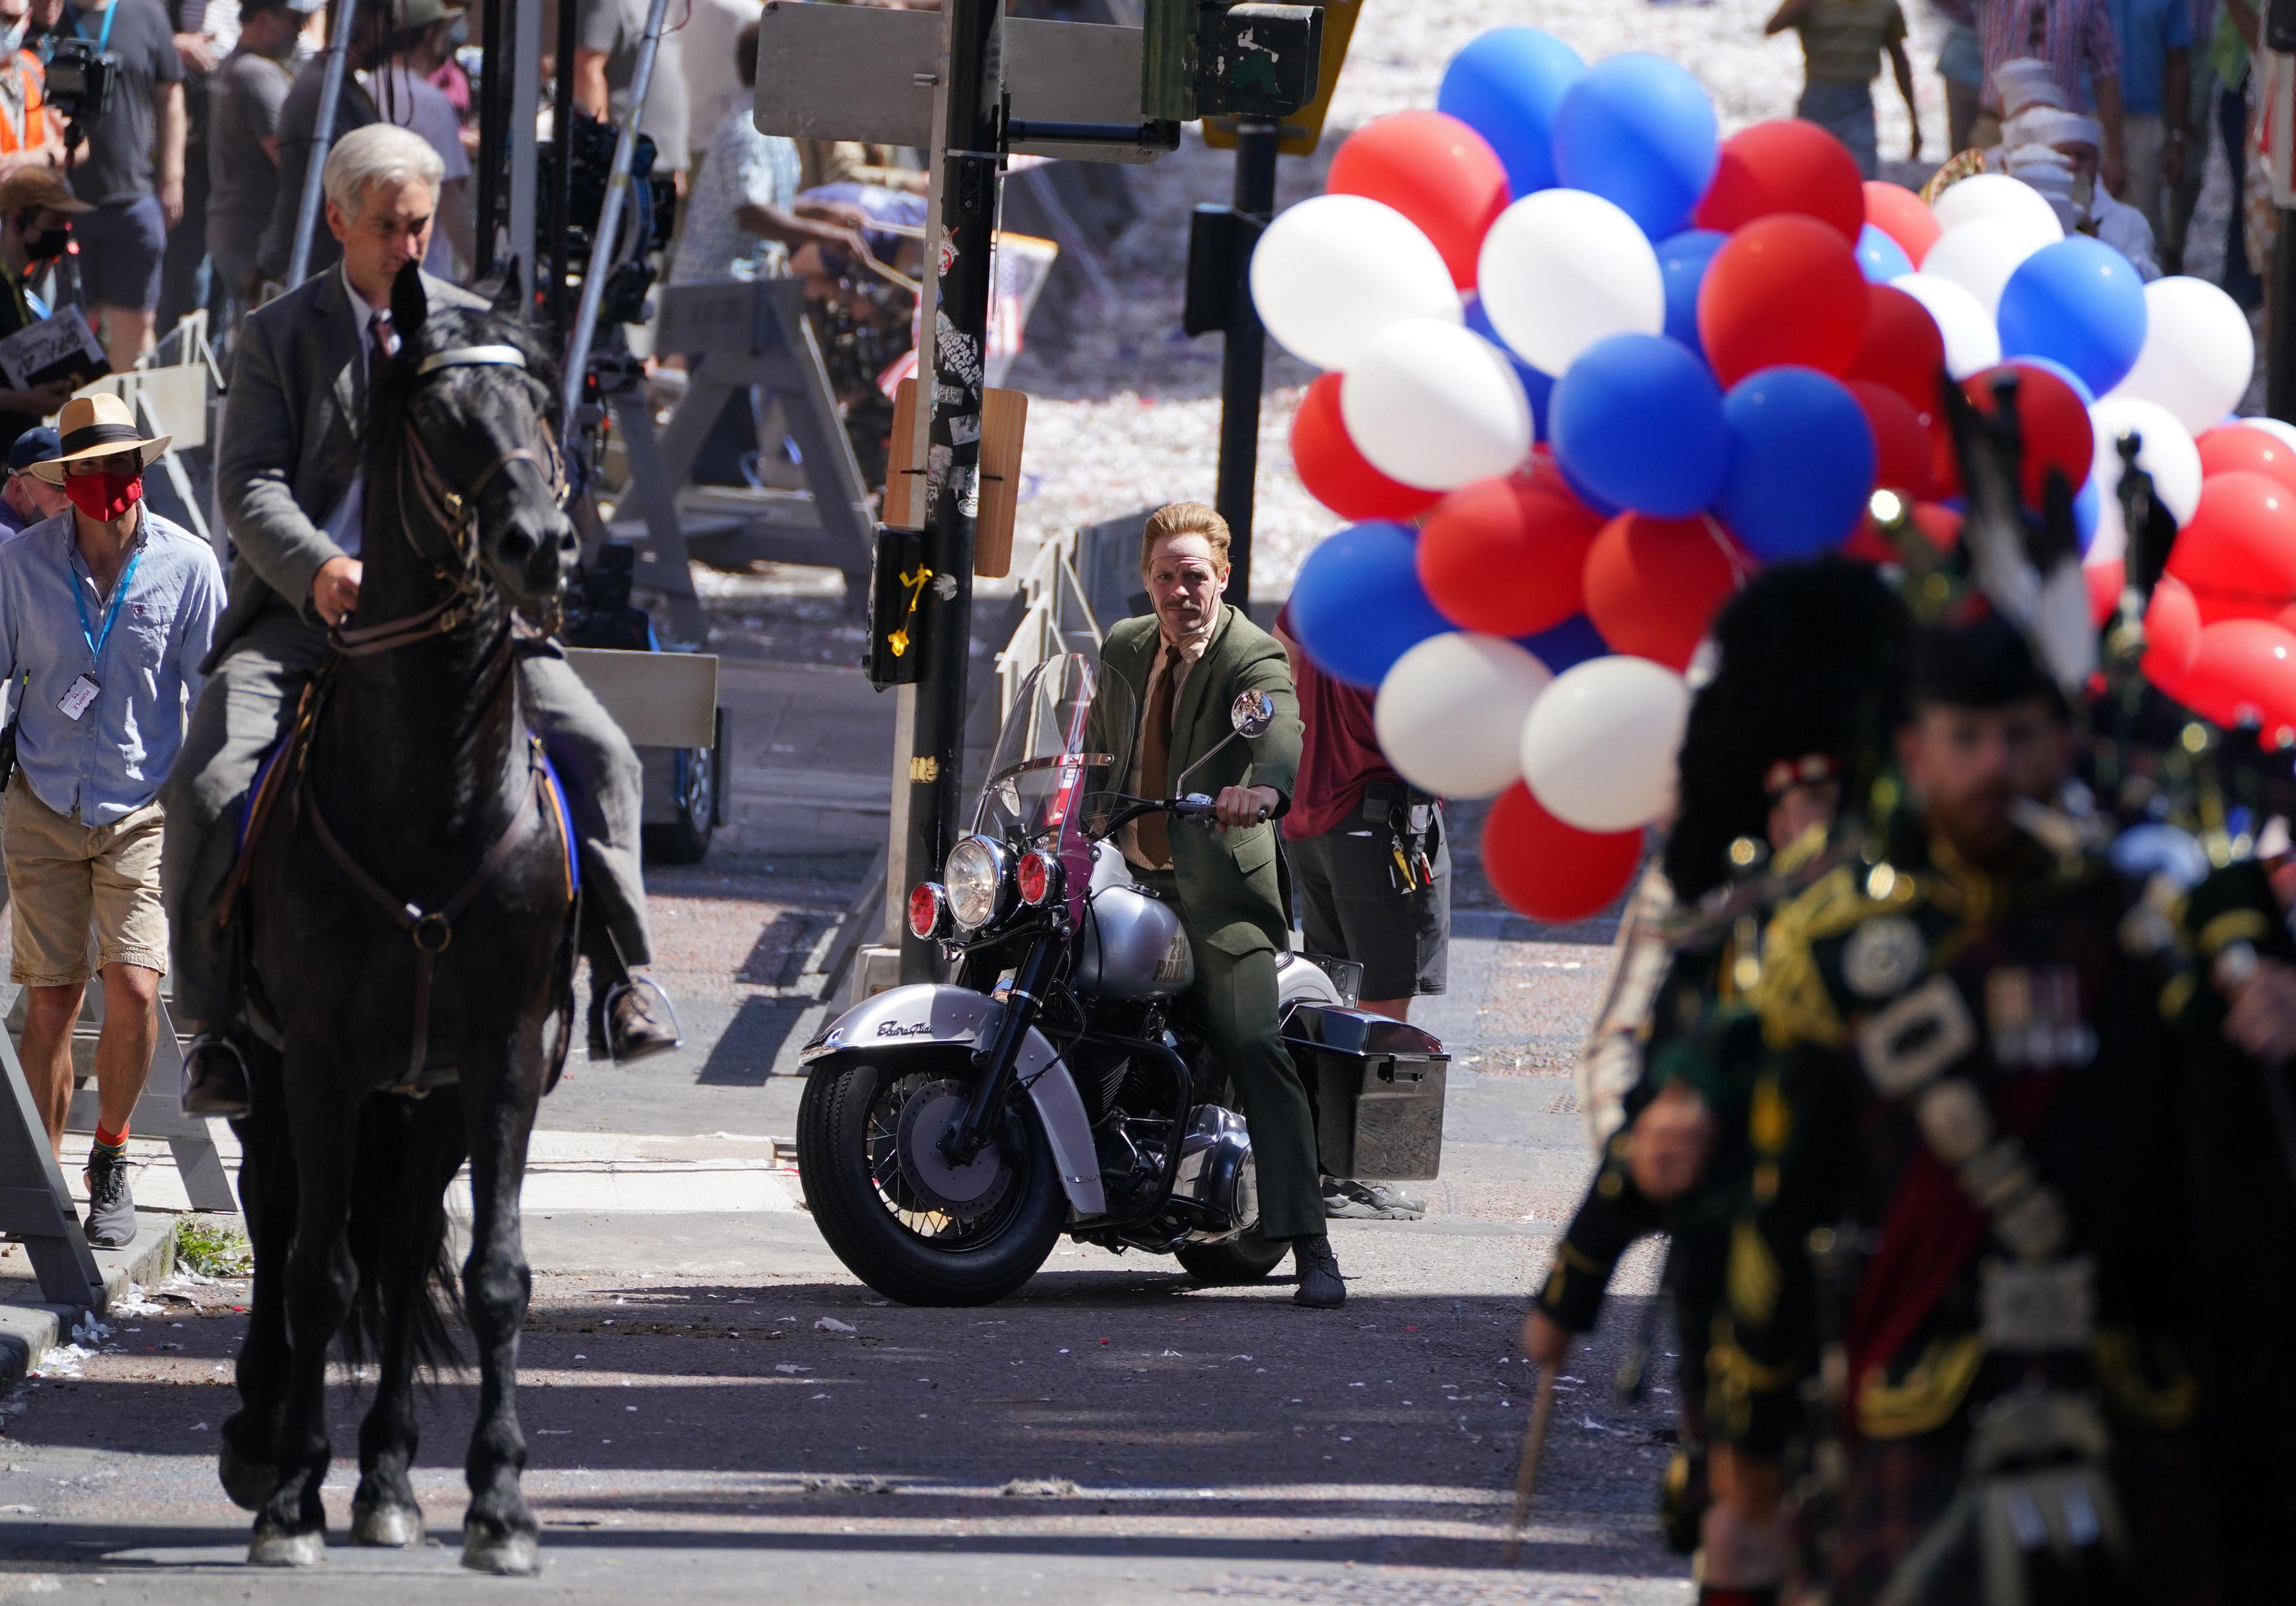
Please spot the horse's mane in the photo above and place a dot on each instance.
(442, 329)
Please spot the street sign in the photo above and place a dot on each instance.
(1209, 58)
(1304, 128)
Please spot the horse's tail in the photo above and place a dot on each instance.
(398, 1237)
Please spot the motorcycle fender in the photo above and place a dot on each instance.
(928, 1015)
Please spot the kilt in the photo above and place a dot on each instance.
(1899, 1489)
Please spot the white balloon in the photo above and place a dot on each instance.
(2167, 454)
(1333, 271)
(1598, 750)
(2199, 352)
(1972, 343)
(1435, 406)
(1563, 270)
(1997, 195)
(1981, 256)
(1450, 713)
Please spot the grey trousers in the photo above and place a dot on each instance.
(245, 708)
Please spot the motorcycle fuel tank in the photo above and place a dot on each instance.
(1132, 947)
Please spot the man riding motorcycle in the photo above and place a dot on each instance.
(1185, 667)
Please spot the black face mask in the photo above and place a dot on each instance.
(46, 243)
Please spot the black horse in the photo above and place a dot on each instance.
(411, 907)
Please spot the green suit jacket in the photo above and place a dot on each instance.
(1235, 891)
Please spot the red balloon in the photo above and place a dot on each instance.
(1903, 348)
(1783, 290)
(1934, 521)
(2242, 670)
(2055, 423)
(2236, 450)
(1335, 474)
(1788, 165)
(2238, 550)
(1435, 171)
(2172, 635)
(1549, 871)
(1902, 436)
(1505, 556)
(1903, 216)
(1654, 585)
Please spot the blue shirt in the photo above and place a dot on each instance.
(2149, 30)
(112, 760)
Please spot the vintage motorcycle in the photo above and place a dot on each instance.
(949, 1134)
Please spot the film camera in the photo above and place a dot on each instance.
(80, 80)
(647, 224)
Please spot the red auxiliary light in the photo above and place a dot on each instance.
(927, 910)
(1039, 879)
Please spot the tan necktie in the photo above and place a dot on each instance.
(1156, 760)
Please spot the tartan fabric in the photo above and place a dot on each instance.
(1898, 1488)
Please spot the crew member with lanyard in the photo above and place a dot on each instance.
(36, 218)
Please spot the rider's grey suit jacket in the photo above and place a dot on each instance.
(290, 446)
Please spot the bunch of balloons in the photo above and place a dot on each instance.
(1587, 365)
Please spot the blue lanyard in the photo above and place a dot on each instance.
(111, 614)
(104, 37)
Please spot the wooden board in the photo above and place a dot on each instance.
(1003, 430)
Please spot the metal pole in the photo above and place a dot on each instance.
(610, 213)
(525, 94)
(562, 113)
(2280, 325)
(971, 160)
(323, 140)
(1244, 356)
(494, 65)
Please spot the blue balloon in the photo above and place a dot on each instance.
(1505, 85)
(2088, 504)
(1879, 257)
(1638, 422)
(1803, 462)
(1537, 385)
(1588, 495)
(2079, 302)
(1640, 131)
(1357, 605)
(1683, 261)
(1566, 645)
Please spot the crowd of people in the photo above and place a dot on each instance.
(2106, 106)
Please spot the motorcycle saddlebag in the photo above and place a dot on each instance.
(1377, 1088)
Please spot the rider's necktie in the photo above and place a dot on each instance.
(1155, 841)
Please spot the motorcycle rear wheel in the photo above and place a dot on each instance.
(1248, 1258)
(848, 1162)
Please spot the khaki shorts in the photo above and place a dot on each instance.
(65, 877)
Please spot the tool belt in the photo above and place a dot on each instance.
(1413, 821)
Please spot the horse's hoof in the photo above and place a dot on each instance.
(274, 1549)
(391, 1526)
(513, 1555)
(249, 1482)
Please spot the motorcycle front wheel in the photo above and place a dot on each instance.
(891, 1206)
(1246, 1258)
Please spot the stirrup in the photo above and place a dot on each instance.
(207, 1043)
(623, 989)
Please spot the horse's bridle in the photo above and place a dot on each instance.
(421, 483)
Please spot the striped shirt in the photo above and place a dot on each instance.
(2076, 38)
(1842, 40)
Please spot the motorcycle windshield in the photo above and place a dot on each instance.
(1065, 738)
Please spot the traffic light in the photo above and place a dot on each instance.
(1211, 58)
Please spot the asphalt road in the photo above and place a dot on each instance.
(1111, 1433)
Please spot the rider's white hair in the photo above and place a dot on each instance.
(378, 152)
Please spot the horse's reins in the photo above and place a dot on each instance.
(433, 931)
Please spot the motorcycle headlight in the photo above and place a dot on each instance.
(978, 877)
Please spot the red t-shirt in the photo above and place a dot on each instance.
(1339, 754)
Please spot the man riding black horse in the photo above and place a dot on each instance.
(288, 476)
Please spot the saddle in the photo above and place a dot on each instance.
(285, 775)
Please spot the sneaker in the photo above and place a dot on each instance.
(1370, 1202)
(110, 1207)
(1321, 1286)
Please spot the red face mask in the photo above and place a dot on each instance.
(104, 497)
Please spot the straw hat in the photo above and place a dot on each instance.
(98, 426)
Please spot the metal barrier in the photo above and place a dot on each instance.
(1057, 618)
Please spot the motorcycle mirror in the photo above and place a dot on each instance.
(1251, 713)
